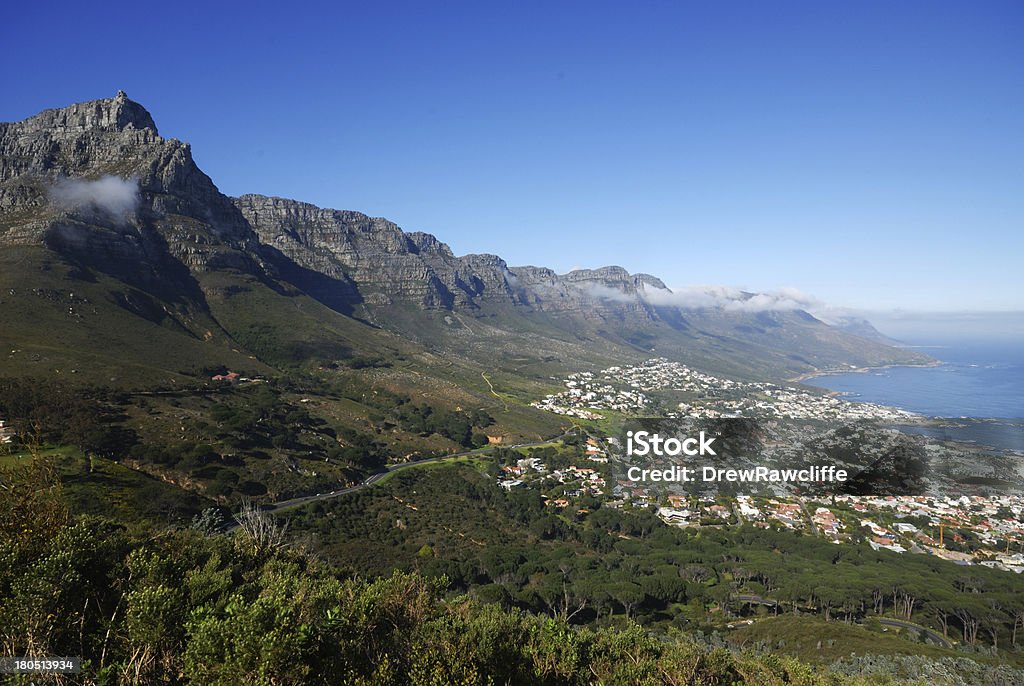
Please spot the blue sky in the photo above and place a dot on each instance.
(870, 154)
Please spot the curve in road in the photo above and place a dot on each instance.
(374, 478)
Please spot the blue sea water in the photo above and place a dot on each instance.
(975, 379)
(980, 384)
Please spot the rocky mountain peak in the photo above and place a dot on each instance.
(57, 167)
(109, 114)
(648, 281)
(610, 275)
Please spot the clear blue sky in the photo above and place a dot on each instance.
(871, 154)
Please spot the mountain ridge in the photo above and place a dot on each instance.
(185, 251)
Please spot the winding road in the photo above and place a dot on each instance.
(389, 469)
(933, 636)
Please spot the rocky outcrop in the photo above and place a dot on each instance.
(115, 114)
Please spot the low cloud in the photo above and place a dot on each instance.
(602, 292)
(111, 196)
(731, 299)
(710, 297)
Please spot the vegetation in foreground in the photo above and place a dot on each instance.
(184, 606)
(598, 565)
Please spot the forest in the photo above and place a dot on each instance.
(591, 564)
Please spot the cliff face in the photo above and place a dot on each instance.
(384, 262)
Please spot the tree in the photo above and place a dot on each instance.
(969, 623)
(903, 602)
(627, 594)
(1017, 614)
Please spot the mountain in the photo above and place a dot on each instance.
(122, 259)
(859, 326)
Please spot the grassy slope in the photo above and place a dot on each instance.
(59, 322)
(105, 488)
(770, 345)
(814, 640)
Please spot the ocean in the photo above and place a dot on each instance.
(979, 385)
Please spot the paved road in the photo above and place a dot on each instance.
(374, 478)
(758, 600)
(932, 635)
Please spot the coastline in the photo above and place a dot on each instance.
(861, 370)
(958, 397)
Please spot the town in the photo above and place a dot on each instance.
(628, 389)
(981, 528)
(984, 530)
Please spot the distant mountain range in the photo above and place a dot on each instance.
(120, 258)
